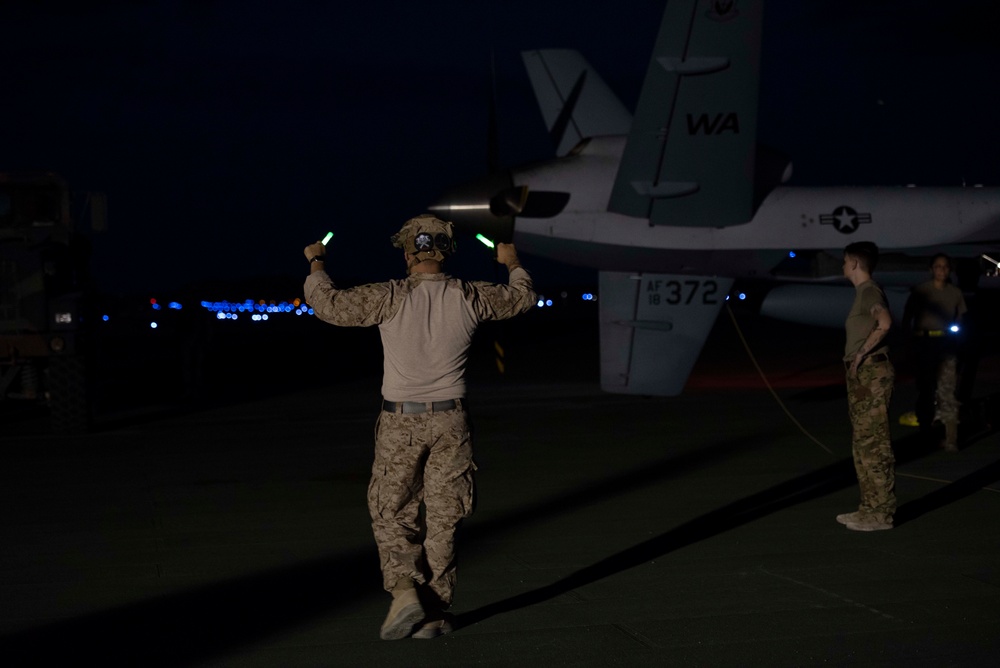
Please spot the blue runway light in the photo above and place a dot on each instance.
(174, 305)
(541, 303)
(742, 296)
(791, 253)
(548, 302)
(954, 328)
(105, 318)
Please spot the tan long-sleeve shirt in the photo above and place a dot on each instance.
(426, 322)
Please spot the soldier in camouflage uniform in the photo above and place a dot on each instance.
(423, 449)
(870, 377)
(932, 309)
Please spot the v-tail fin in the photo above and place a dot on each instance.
(575, 102)
(689, 159)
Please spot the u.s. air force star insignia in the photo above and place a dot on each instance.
(845, 219)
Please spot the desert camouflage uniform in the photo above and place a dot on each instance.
(426, 322)
(868, 395)
(428, 457)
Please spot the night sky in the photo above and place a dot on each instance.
(228, 134)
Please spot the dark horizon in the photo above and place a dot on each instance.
(228, 135)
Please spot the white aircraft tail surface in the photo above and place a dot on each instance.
(575, 102)
(652, 328)
(689, 159)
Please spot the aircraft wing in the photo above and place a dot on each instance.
(575, 101)
(653, 326)
(689, 159)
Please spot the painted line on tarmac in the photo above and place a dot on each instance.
(831, 594)
(940, 480)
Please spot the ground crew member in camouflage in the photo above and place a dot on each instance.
(423, 449)
(870, 377)
(932, 309)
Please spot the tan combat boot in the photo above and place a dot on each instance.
(844, 518)
(950, 436)
(869, 523)
(437, 625)
(405, 613)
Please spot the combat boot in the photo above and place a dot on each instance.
(868, 523)
(404, 613)
(844, 518)
(437, 625)
(950, 442)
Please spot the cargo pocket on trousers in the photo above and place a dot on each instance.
(376, 505)
(469, 497)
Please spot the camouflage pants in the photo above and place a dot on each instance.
(868, 397)
(937, 381)
(421, 458)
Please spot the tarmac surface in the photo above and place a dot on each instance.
(610, 530)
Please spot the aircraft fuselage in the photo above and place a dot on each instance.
(963, 220)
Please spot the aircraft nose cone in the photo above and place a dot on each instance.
(486, 206)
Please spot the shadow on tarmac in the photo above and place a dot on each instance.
(948, 494)
(831, 478)
(211, 621)
(827, 480)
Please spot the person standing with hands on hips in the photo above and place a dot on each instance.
(870, 378)
(423, 447)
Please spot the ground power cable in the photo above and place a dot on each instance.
(763, 377)
(760, 372)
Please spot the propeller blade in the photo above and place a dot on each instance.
(492, 140)
(509, 202)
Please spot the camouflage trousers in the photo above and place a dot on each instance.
(422, 458)
(868, 396)
(937, 381)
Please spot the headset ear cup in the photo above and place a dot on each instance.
(424, 242)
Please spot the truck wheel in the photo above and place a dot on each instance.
(69, 400)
